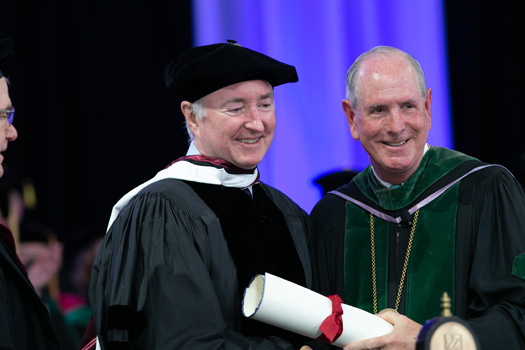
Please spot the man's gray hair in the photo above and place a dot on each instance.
(352, 94)
(198, 110)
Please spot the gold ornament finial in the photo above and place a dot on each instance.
(445, 305)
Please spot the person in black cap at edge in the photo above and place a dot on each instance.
(24, 320)
(181, 248)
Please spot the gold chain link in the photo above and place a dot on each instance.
(373, 249)
(405, 265)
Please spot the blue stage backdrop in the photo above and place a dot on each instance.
(321, 39)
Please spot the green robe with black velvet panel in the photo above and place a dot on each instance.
(469, 242)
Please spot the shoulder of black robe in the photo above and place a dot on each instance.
(164, 277)
(327, 243)
(24, 319)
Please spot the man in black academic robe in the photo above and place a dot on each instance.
(24, 320)
(181, 248)
(420, 220)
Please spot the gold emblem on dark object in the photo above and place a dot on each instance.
(446, 332)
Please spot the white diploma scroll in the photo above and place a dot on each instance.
(281, 303)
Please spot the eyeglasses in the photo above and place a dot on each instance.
(8, 114)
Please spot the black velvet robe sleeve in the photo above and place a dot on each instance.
(164, 278)
(490, 284)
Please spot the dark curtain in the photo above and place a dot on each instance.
(486, 59)
(92, 113)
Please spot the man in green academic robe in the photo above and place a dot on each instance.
(420, 220)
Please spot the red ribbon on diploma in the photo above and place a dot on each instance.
(332, 326)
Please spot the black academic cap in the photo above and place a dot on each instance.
(332, 180)
(204, 69)
(5, 49)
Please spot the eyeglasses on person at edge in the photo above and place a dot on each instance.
(8, 114)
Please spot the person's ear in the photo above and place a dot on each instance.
(428, 100)
(351, 118)
(191, 119)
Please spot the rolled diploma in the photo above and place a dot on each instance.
(281, 303)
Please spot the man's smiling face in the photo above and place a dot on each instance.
(392, 119)
(239, 124)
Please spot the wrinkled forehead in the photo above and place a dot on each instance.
(393, 66)
(5, 101)
(384, 73)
